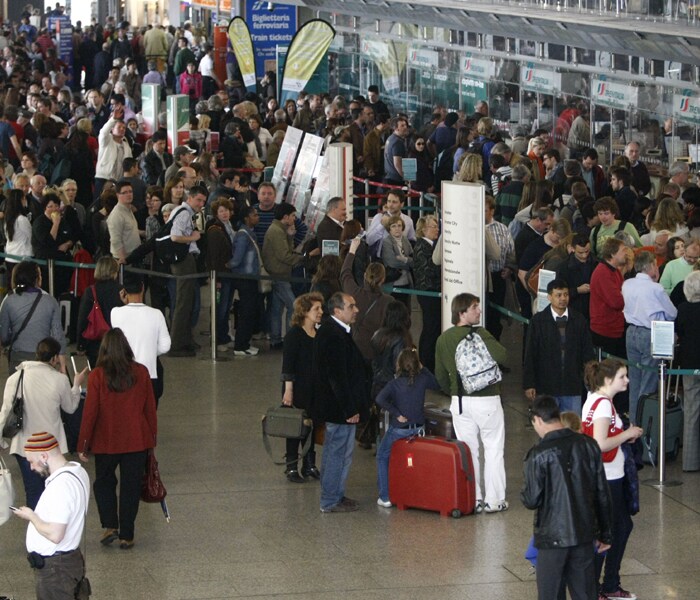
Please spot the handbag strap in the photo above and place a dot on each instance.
(20, 383)
(255, 245)
(26, 320)
(95, 301)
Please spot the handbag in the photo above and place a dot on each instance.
(152, 488)
(97, 324)
(286, 422)
(15, 420)
(7, 492)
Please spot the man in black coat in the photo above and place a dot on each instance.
(157, 160)
(565, 483)
(340, 399)
(331, 226)
(557, 348)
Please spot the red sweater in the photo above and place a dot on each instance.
(118, 422)
(607, 303)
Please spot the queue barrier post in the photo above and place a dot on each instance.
(50, 268)
(212, 318)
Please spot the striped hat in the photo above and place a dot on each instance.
(41, 442)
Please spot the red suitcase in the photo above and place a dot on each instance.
(433, 474)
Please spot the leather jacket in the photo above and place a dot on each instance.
(573, 505)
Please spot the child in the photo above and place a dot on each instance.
(403, 398)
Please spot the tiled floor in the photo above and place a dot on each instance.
(240, 530)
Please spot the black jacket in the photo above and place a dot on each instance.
(565, 483)
(576, 273)
(543, 368)
(340, 392)
(152, 168)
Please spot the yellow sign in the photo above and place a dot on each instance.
(242, 45)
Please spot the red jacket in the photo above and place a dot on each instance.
(118, 422)
(607, 303)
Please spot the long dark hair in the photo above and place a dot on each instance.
(78, 141)
(116, 359)
(397, 323)
(13, 209)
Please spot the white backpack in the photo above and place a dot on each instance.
(475, 365)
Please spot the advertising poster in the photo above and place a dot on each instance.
(269, 29)
(178, 106)
(64, 33)
(285, 161)
(150, 104)
(306, 51)
(242, 44)
(299, 192)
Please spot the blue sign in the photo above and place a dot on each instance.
(62, 25)
(269, 29)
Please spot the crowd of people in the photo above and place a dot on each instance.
(78, 174)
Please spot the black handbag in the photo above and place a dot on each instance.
(15, 420)
(286, 422)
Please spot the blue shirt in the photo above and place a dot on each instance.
(399, 397)
(646, 301)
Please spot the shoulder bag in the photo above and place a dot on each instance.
(587, 428)
(286, 422)
(97, 324)
(15, 420)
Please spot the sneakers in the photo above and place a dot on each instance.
(500, 507)
(251, 351)
(384, 503)
(479, 507)
(619, 593)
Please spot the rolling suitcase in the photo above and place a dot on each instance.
(68, 304)
(648, 419)
(438, 418)
(432, 474)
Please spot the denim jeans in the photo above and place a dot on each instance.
(223, 309)
(642, 382)
(335, 464)
(282, 297)
(384, 453)
(569, 403)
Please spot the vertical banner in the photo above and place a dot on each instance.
(299, 191)
(269, 28)
(319, 82)
(178, 106)
(285, 161)
(463, 233)
(64, 36)
(309, 46)
(220, 51)
(150, 105)
(242, 44)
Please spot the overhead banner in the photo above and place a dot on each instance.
(686, 109)
(271, 25)
(614, 95)
(421, 57)
(309, 46)
(478, 68)
(534, 79)
(242, 44)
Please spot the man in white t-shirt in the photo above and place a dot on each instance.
(145, 330)
(210, 82)
(56, 525)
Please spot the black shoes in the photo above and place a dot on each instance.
(293, 476)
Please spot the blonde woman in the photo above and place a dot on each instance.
(472, 168)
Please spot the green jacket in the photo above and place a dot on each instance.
(445, 368)
(183, 56)
(278, 252)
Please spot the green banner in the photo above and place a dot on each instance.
(242, 44)
(309, 46)
(318, 84)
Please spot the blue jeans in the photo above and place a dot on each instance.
(642, 382)
(33, 482)
(282, 296)
(569, 403)
(335, 464)
(384, 453)
(223, 309)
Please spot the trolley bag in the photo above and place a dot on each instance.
(432, 474)
(648, 419)
(68, 304)
(71, 422)
(438, 417)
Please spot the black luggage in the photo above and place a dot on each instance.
(648, 419)
(71, 422)
(68, 304)
(438, 418)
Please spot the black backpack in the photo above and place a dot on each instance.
(443, 166)
(167, 251)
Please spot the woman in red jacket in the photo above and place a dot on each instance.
(119, 427)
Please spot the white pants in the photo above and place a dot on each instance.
(483, 415)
